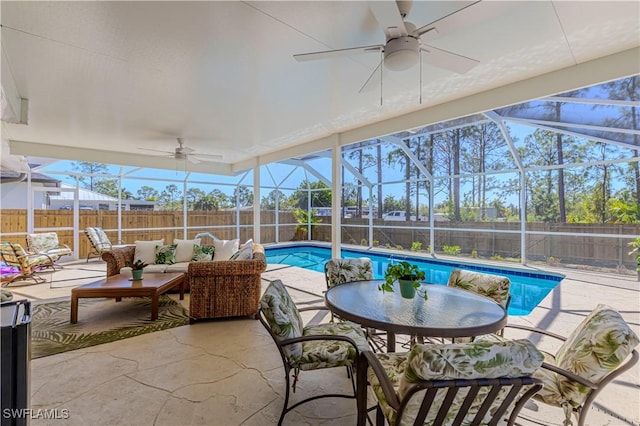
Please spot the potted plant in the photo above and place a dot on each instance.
(408, 276)
(136, 269)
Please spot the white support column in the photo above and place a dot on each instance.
(256, 203)
(336, 202)
(370, 215)
(523, 218)
(185, 208)
(432, 231)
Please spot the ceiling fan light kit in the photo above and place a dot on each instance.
(401, 53)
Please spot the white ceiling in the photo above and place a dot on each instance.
(104, 79)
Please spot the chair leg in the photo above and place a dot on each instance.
(287, 371)
(379, 416)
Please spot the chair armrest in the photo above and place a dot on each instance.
(311, 337)
(313, 308)
(369, 359)
(536, 330)
(117, 258)
(569, 375)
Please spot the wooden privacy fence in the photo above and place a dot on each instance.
(588, 250)
(163, 224)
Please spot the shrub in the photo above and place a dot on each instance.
(552, 261)
(451, 250)
(474, 254)
(363, 242)
(416, 246)
(496, 257)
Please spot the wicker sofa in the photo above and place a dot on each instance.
(218, 289)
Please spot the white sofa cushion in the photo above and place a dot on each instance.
(224, 249)
(150, 268)
(184, 249)
(178, 267)
(146, 251)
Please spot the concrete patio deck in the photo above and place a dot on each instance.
(228, 372)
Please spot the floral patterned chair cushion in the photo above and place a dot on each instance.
(47, 243)
(340, 271)
(331, 353)
(15, 255)
(285, 321)
(480, 359)
(495, 287)
(594, 349)
(283, 317)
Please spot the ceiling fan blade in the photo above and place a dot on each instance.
(210, 156)
(389, 18)
(156, 150)
(468, 16)
(373, 81)
(447, 60)
(327, 54)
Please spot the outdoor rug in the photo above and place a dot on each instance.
(99, 321)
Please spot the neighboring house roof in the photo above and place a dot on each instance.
(83, 195)
(35, 177)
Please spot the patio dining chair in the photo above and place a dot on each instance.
(28, 264)
(342, 271)
(99, 241)
(47, 243)
(310, 347)
(598, 351)
(475, 383)
(494, 287)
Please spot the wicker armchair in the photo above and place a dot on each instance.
(226, 288)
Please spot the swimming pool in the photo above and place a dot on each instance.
(527, 288)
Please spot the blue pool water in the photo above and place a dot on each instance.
(527, 288)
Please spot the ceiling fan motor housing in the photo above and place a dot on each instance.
(401, 53)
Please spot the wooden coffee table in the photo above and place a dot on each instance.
(119, 286)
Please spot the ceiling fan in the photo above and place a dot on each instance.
(183, 152)
(405, 43)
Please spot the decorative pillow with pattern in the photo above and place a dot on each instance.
(202, 253)
(166, 254)
(245, 253)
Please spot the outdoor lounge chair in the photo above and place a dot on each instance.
(47, 243)
(311, 347)
(599, 350)
(458, 383)
(27, 264)
(100, 242)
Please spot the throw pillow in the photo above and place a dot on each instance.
(224, 249)
(184, 249)
(202, 253)
(245, 253)
(146, 251)
(166, 255)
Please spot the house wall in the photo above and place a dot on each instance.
(13, 195)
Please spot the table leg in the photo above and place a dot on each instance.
(182, 284)
(118, 299)
(154, 306)
(74, 308)
(391, 341)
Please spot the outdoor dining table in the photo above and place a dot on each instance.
(449, 312)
